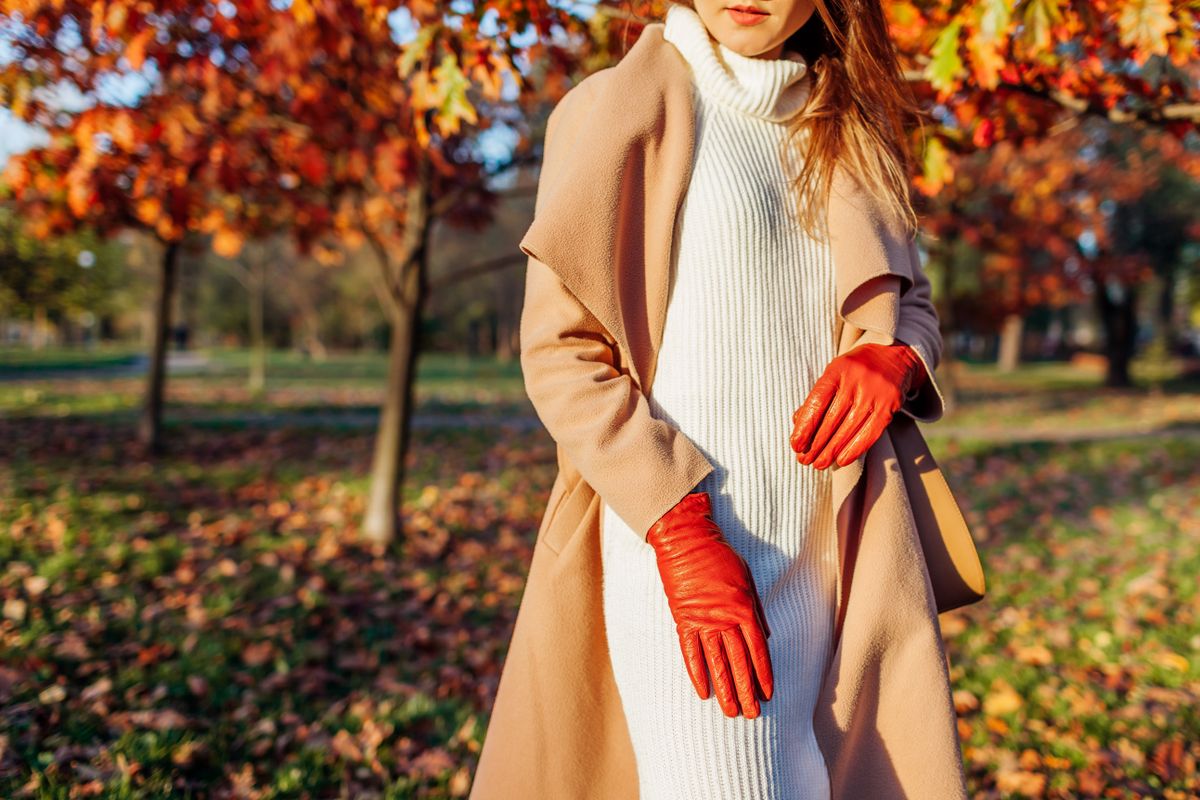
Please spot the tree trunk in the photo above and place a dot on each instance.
(507, 344)
(1166, 332)
(382, 522)
(305, 321)
(39, 332)
(1159, 350)
(257, 382)
(150, 425)
(308, 333)
(1119, 317)
(1010, 342)
(404, 292)
(946, 370)
(314, 346)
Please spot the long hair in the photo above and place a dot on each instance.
(856, 114)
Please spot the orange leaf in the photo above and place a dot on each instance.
(1144, 26)
(135, 51)
(227, 242)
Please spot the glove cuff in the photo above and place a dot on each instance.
(690, 517)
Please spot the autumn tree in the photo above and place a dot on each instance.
(1003, 228)
(343, 122)
(170, 128)
(1003, 79)
(1152, 216)
(394, 139)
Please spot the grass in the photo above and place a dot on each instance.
(1079, 674)
(348, 384)
(23, 360)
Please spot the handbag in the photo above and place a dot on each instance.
(955, 571)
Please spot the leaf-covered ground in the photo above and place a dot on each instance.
(1079, 674)
(207, 625)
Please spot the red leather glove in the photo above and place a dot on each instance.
(716, 607)
(853, 401)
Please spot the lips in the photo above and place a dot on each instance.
(746, 14)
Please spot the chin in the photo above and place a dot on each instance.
(746, 42)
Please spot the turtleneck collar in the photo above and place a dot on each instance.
(773, 89)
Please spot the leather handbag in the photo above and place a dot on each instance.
(955, 571)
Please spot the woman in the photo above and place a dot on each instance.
(749, 330)
(676, 690)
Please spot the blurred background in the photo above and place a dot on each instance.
(269, 481)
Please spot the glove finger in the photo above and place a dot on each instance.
(838, 408)
(809, 414)
(693, 658)
(829, 440)
(739, 665)
(863, 438)
(760, 657)
(718, 668)
(861, 414)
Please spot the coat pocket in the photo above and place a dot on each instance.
(567, 515)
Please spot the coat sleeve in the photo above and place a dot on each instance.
(918, 327)
(640, 465)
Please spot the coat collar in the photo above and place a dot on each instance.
(624, 142)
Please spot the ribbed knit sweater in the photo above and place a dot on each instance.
(749, 329)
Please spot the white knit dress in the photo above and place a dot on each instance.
(749, 329)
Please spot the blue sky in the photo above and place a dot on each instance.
(16, 136)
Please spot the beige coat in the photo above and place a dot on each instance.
(617, 158)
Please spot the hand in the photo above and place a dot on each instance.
(853, 402)
(716, 607)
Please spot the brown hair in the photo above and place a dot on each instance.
(857, 110)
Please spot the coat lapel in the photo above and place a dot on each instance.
(606, 223)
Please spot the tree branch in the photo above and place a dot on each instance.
(1154, 115)
(482, 268)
